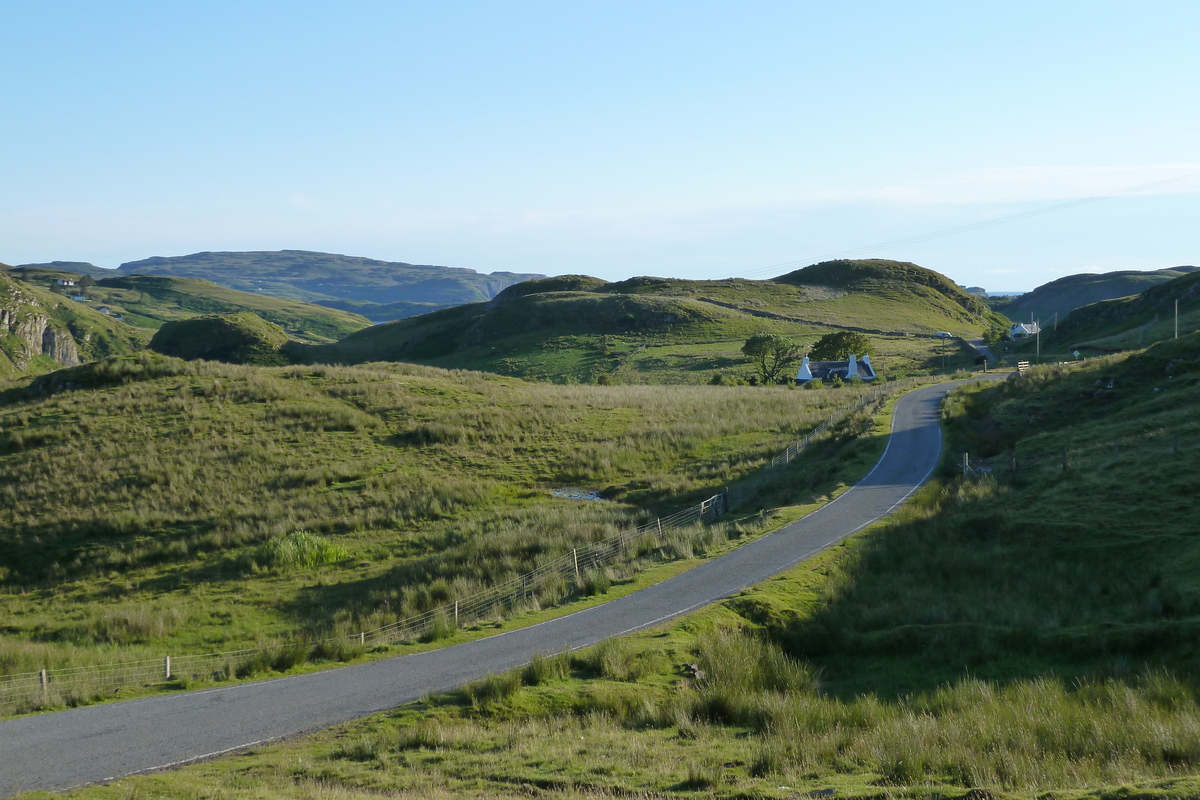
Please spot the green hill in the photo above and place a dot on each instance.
(1127, 323)
(377, 288)
(670, 330)
(149, 301)
(41, 330)
(1060, 297)
(243, 338)
(35, 273)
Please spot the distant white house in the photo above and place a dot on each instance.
(64, 282)
(1020, 329)
(78, 298)
(828, 370)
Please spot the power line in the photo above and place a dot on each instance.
(787, 266)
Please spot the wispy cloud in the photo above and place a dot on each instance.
(1027, 184)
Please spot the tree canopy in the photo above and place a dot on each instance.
(771, 354)
(841, 345)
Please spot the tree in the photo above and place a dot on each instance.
(87, 282)
(840, 346)
(771, 354)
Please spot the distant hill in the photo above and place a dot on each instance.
(1133, 322)
(1064, 295)
(72, 267)
(377, 289)
(150, 300)
(668, 330)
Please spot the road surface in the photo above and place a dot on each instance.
(99, 743)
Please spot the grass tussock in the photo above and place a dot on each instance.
(299, 550)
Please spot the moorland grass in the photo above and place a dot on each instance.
(155, 506)
(994, 639)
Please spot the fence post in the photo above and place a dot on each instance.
(966, 465)
(362, 638)
(45, 685)
(167, 668)
(456, 613)
(659, 521)
(575, 556)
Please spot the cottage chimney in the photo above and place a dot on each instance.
(805, 374)
(870, 368)
(851, 367)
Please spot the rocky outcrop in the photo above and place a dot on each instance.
(34, 334)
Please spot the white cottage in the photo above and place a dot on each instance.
(828, 370)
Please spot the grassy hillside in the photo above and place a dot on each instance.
(1128, 323)
(1061, 297)
(149, 301)
(1026, 635)
(146, 501)
(36, 273)
(668, 330)
(35, 321)
(233, 338)
(327, 277)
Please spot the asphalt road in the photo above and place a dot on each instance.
(99, 743)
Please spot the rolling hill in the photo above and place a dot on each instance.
(149, 301)
(1128, 323)
(43, 273)
(653, 329)
(376, 289)
(1061, 297)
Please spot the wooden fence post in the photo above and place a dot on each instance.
(575, 555)
(45, 685)
(167, 668)
(456, 613)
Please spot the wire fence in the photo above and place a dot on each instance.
(75, 685)
(1096, 455)
(796, 448)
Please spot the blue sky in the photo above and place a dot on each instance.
(689, 139)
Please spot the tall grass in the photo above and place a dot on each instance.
(299, 550)
(133, 480)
